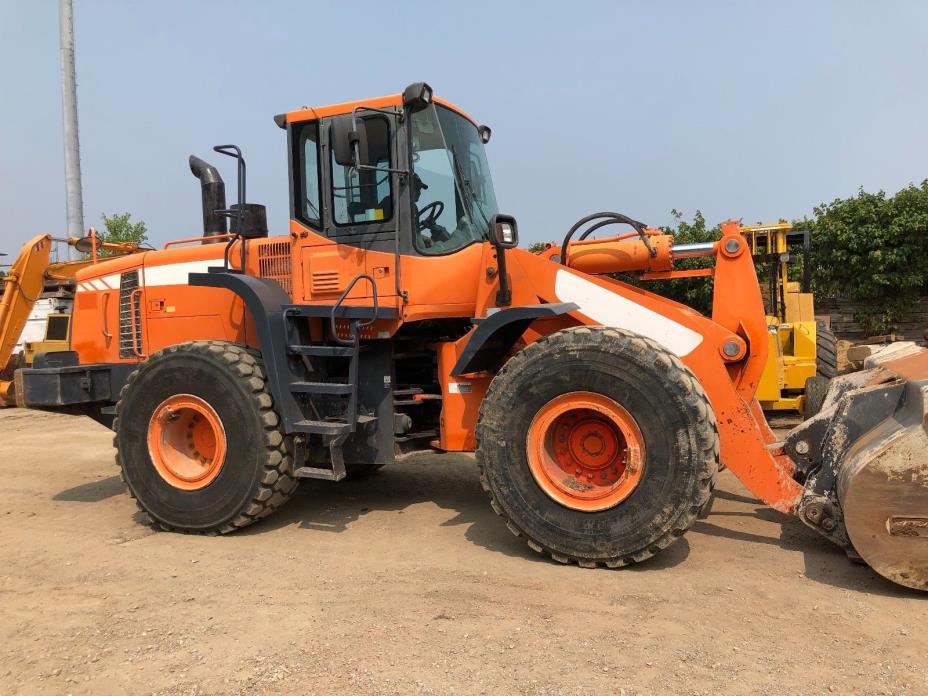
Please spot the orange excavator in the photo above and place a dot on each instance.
(398, 314)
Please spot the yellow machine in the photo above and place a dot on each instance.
(30, 275)
(799, 346)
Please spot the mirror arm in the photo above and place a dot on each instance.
(355, 144)
(371, 168)
(504, 294)
(387, 112)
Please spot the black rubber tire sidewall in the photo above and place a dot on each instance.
(224, 498)
(816, 388)
(676, 478)
(826, 351)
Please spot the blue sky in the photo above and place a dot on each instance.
(741, 109)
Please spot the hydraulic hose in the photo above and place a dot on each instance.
(604, 218)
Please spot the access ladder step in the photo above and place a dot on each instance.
(323, 351)
(321, 427)
(321, 388)
(318, 427)
(317, 473)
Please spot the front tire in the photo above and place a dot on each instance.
(598, 446)
(198, 442)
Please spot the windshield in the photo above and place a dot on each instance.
(453, 198)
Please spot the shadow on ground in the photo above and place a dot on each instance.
(451, 482)
(824, 561)
(92, 492)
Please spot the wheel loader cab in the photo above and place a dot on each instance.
(415, 180)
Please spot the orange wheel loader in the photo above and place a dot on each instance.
(398, 315)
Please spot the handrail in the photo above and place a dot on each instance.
(134, 327)
(188, 240)
(105, 305)
(341, 299)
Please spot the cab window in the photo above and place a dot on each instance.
(306, 207)
(365, 196)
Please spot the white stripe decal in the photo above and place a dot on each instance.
(611, 309)
(176, 273)
(110, 281)
(96, 284)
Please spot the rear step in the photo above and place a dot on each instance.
(318, 427)
(331, 427)
(315, 472)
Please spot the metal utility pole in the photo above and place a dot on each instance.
(72, 156)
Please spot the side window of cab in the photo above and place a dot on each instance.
(307, 189)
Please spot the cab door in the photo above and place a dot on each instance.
(348, 215)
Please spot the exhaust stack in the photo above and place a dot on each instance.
(213, 191)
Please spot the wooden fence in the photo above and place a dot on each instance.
(840, 312)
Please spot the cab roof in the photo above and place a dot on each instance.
(313, 113)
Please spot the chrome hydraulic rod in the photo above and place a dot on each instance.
(692, 251)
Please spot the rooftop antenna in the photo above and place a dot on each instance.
(72, 157)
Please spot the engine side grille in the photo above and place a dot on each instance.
(274, 262)
(128, 283)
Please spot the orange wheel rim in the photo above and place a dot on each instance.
(585, 451)
(187, 442)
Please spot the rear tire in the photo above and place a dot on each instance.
(249, 473)
(815, 391)
(826, 351)
(673, 417)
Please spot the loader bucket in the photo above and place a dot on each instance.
(865, 462)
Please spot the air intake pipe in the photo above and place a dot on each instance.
(213, 191)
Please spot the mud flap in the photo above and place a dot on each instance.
(864, 462)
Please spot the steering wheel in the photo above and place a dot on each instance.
(428, 215)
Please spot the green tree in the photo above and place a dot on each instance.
(873, 249)
(119, 228)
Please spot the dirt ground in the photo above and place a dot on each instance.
(407, 583)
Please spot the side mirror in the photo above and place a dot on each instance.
(344, 138)
(504, 232)
(85, 245)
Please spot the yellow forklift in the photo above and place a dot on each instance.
(801, 347)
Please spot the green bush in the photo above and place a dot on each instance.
(873, 249)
